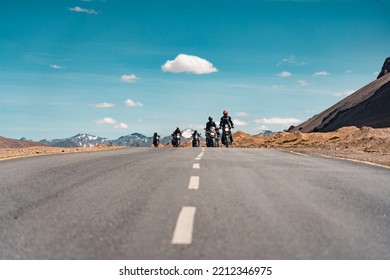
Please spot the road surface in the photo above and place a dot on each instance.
(192, 203)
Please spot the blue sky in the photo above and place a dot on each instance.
(114, 67)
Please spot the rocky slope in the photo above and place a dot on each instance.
(385, 68)
(13, 143)
(369, 106)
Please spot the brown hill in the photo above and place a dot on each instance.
(13, 143)
(365, 143)
(369, 106)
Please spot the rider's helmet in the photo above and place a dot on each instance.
(195, 131)
(210, 119)
(225, 112)
(155, 133)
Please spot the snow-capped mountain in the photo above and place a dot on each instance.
(187, 133)
(79, 140)
(133, 140)
(263, 133)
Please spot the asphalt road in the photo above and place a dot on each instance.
(143, 203)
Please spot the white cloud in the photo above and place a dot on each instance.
(348, 72)
(237, 122)
(121, 125)
(55, 66)
(302, 83)
(131, 103)
(284, 74)
(292, 60)
(107, 121)
(278, 86)
(129, 78)
(82, 10)
(321, 73)
(376, 73)
(242, 114)
(104, 105)
(278, 121)
(113, 122)
(189, 64)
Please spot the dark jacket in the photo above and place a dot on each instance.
(193, 134)
(210, 124)
(226, 119)
(177, 131)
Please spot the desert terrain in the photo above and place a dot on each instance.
(34, 150)
(363, 144)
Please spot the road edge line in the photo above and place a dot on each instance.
(342, 158)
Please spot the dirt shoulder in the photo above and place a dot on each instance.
(373, 157)
(45, 150)
(364, 144)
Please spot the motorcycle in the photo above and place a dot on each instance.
(176, 140)
(212, 137)
(156, 141)
(226, 135)
(195, 140)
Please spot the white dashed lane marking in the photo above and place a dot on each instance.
(184, 226)
(185, 222)
(194, 183)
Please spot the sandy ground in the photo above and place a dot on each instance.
(44, 150)
(364, 144)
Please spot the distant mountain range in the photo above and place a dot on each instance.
(263, 133)
(131, 140)
(79, 140)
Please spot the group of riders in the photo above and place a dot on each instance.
(212, 133)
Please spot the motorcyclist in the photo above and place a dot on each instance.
(176, 132)
(156, 139)
(209, 124)
(194, 134)
(226, 119)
